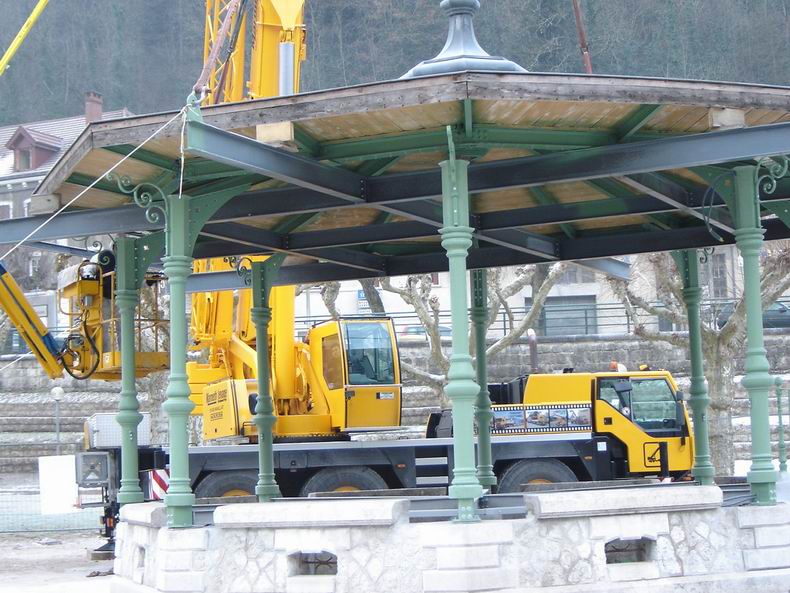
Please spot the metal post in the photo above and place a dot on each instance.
(286, 79)
(757, 381)
(128, 416)
(57, 393)
(703, 469)
(178, 265)
(782, 446)
(483, 414)
(264, 420)
(461, 387)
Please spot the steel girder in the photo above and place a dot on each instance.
(589, 250)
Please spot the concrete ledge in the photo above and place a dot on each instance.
(623, 501)
(756, 516)
(312, 513)
(152, 514)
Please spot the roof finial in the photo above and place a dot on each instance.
(462, 52)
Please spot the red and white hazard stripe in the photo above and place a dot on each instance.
(160, 480)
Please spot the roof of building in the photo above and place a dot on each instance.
(60, 132)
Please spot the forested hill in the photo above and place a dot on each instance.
(146, 54)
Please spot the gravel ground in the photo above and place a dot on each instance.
(54, 562)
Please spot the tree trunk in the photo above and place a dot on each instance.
(372, 296)
(719, 372)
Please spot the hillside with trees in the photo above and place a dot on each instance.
(145, 55)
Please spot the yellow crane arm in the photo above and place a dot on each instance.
(20, 37)
(21, 314)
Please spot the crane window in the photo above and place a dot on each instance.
(369, 351)
(332, 361)
(650, 403)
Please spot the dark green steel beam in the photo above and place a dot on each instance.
(635, 121)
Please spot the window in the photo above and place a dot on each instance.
(369, 351)
(567, 316)
(435, 278)
(5, 211)
(714, 276)
(332, 361)
(650, 403)
(26, 207)
(23, 160)
(34, 263)
(577, 275)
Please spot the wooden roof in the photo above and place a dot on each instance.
(399, 127)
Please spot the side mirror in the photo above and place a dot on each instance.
(682, 396)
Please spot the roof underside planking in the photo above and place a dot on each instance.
(564, 167)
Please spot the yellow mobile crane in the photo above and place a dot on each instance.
(22, 34)
(345, 374)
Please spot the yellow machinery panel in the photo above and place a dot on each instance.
(555, 389)
(225, 408)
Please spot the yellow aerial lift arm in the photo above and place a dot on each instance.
(20, 37)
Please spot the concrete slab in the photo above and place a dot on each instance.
(314, 513)
(153, 514)
(623, 501)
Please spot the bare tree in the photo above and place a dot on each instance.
(722, 335)
(417, 292)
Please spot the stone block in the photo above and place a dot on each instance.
(195, 538)
(467, 556)
(772, 535)
(629, 527)
(312, 540)
(632, 571)
(175, 560)
(313, 513)
(766, 558)
(310, 584)
(180, 582)
(465, 534)
(480, 579)
(620, 501)
(754, 516)
(153, 514)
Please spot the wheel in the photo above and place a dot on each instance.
(343, 479)
(534, 471)
(227, 483)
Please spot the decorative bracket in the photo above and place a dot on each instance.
(145, 196)
(775, 168)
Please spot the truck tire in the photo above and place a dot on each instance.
(535, 471)
(340, 479)
(227, 483)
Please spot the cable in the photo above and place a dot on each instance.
(16, 360)
(708, 196)
(94, 182)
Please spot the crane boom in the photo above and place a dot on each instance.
(20, 37)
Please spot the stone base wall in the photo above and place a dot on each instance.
(566, 542)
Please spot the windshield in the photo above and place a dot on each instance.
(650, 403)
(369, 353)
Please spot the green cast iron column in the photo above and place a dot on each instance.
(264, 420)
(757, 381)
(461, 387)
(129, 417)
(782, 446)
(703, 470)
(483, 414)
(178, 265)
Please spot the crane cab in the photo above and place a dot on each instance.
(346, 378)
